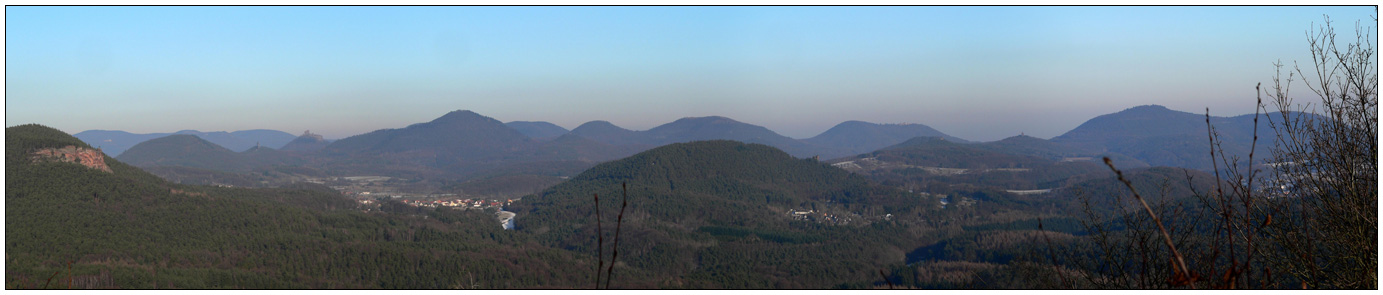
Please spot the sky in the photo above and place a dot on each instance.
(979, 73)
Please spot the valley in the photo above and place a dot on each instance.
(690, 147)
(697, 199)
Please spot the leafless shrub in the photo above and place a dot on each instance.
(1324, 185)
(1313, 219)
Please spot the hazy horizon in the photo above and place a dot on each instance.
(978, 73)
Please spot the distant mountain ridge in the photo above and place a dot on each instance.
(115, 142)
(722, 128)
(462, 144)
(184, 150)
(606, 132)
(537, 129)
(462, 133)
(856, 137)
(697, 129)
(187, 150)
(1165, 137)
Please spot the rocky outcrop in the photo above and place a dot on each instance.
(91, 158)
(308, 142)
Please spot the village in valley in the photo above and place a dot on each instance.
(371, 191)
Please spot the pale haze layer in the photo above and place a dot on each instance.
(979, 73)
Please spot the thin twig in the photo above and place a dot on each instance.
(1181, 262)
(881, 274)
(50, 279)
(600, 242)
(1248, 190)
(615, 248)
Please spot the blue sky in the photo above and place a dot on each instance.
(980, 73)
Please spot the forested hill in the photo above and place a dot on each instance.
(538, 129)
(856, 137)
(715, 214)
(461, 133)
(115, 142)
(718, 172)
(185, 151)
(128, 229)
(22, 141)
(1163, 137)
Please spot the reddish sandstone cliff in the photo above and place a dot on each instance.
(91, 158)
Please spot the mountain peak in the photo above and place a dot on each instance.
(460, 134)
(688, 123)
(607, 133)
(855, 137)
(1146, 109)
(706, 120)
(597, 125)
(460, 116)
(1019, 138)
(1160, 136)
(183, 150)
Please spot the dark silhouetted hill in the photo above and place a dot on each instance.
(1163, 137)
(537, 129)
(462, 145)
(115, 142)
(608, 133)
(712, 198)
(696, 129)
(185, 150)
(463, 134)
(857, 137)
(722, 128)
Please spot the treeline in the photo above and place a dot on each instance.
(699, 215)
(141, 232)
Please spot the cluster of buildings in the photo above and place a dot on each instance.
(506, 218)
(812, 215)
(464, 203)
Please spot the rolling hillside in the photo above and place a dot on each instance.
(715, 214)
(857, 137)
(537, 129)
(127, 229)
(1163, 137)
(187, 151)
(115, 142)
